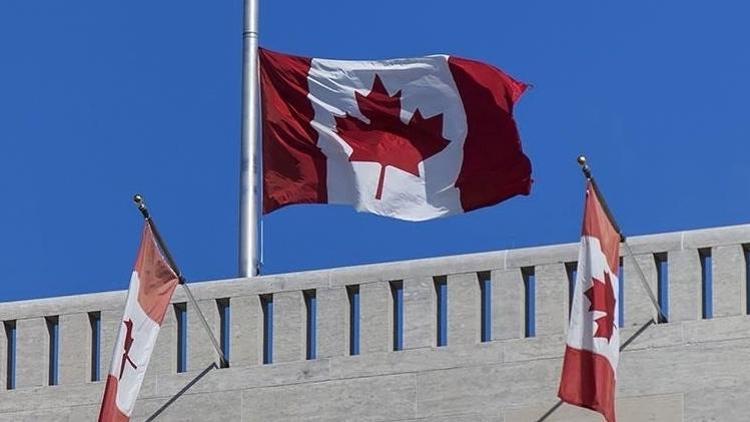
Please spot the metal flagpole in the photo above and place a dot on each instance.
(249, 264)
(641, 276)
(138, 199)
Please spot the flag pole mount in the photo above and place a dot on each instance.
(140, 202)
(586, 169)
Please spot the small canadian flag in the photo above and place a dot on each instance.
(151, 287)
(413, 139)
(593, 347)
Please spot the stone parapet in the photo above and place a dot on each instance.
(688, 369)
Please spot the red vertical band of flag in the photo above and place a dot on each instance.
(588, 381)
(492, 151)
(294, 168)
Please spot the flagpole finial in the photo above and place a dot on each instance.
(584, 166)
(141, 204)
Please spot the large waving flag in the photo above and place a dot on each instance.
(151, 287)
(413, 139)
(593, 347)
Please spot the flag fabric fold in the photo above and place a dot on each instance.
(592, 351)
(412, 139)
(151, 287)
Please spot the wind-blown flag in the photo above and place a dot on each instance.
(413, 139)
(151, 287)
(593, 347)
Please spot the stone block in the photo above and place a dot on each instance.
(243, 378)
(464, 309)
(333, 322)
(32, 352)
(416, 360)
(420, 307)
(62, 305)
(533, 348)
(487, 387)
(353, 400)
(83, 413)
(215, 406)
(508, 309)
(57, 397)
(683, 368)
(46, 415)
(246, 327)
(716, 236)
(627, 409)
(638, 306)
(464, 417)
(200, 350)
(540, 255)
(75, 348)
(650, 244)
(376, 307)
(653, 336)
(685, 288)
(289, 329)
(717, 404)
(729, 281)
(551, 299)
(717, 330)
(164, 357)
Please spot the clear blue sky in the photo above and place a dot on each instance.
(99, 100)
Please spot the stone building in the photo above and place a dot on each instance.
(463, 338)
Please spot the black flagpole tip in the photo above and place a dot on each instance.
(141, 204)
(584, 166)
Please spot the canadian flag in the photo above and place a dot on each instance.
(593, 346)
(151, 287)
(413, 139)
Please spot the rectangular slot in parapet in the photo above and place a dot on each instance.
(53, 363)
(621, 295)
(746, 254)
(95, 322)
(529, 284)
(485, 292)
(10, 368)
(266, 304)
(707, 281)
(571, 269)
(311, 305)
(662, 283)
(397, 296)
(352, 293)
(441, 290)
(180, 313)
(225, 323)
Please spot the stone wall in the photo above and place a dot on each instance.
(690, 369)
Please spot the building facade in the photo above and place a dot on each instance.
(476, 337)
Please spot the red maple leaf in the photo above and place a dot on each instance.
(128, 344)
(602, 297)
(386, 139)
